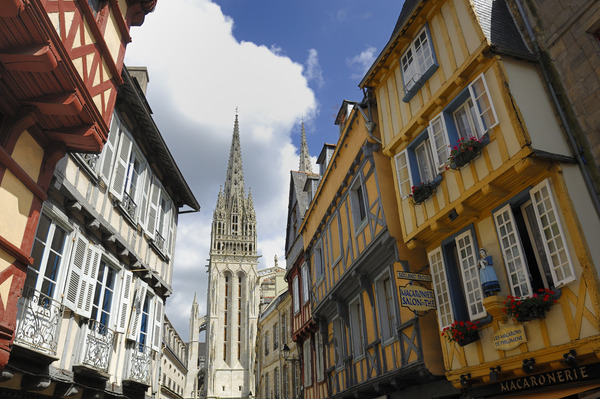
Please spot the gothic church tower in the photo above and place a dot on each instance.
(232, 304)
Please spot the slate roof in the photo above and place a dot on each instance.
(498, 26)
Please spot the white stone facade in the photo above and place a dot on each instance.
(233, 295)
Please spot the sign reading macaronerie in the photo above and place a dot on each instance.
(508, 338)
(417, 298)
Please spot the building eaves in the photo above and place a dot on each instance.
(157, 150)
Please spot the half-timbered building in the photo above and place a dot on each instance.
(366, 344)
(487, 188)
(304, 330)
(90, 315)
(60, 63)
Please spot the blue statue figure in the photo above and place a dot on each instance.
(487, 274)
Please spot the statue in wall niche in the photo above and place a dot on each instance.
(487, 274)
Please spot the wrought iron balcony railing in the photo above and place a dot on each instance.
(97, 345)
(91, 160)
(138, 365)
(128, 205)
(159, 241)
(38, 321)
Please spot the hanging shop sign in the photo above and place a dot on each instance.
(508, 338)
(417, 298)
(412, 276)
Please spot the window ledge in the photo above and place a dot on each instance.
(92, 174)
(410, 93)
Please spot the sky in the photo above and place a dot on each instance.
(278, 63)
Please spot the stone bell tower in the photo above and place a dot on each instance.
(232, 304)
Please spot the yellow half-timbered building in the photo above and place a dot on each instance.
(370, 344)
(487, 191)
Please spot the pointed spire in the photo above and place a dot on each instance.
(234, 182)
(305, 165)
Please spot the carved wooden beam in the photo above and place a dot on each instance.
(66, 104)
(36, 58)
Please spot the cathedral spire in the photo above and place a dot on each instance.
(305, 165)
(234, 182)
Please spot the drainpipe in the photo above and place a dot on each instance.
(369, 121)
(570, 136)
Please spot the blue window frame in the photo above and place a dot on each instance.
(470, 114)
(417, 63)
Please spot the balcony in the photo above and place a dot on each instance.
(159, 241)
(138, 364)
(129, 205)
(97, 344)
(38, 322)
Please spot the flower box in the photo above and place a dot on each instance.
(530, 308)
(423, 191)
(462, 332)
(465, 151)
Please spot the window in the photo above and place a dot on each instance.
(283, 328)
(386, 306)
(296, 298)
(307, 363)
(267, 387)
(103, 296)
(356, 326)
(267, 343)
(275, 337)
(418, 63)
(455, 274)
(305, 283)
(285, 381)
(339, 344)
(276, 383)
(318, 259)
(357, 199)
(47, 253)
(470, 114)
(319, 360)
(533, 243)
(145, 321)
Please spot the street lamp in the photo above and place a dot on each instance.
(294, 360)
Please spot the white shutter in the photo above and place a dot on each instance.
(171, 229)
(403, 174)
(482, 101)
(512, 252)
(553, 236)
(88, 281)
(74, 276)
(133, 329)
(117, 184)
(109, 149)
(438, 137)
(470, 272)
(126, 291)
(153, 208)
(440, 288)
(145, 194)
(158, 323)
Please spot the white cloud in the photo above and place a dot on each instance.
(196, 83)
(313, 70)
(361, 63)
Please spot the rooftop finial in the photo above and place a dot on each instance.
(305, 165)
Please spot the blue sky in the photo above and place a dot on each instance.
(277, 62)
(346, 35)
